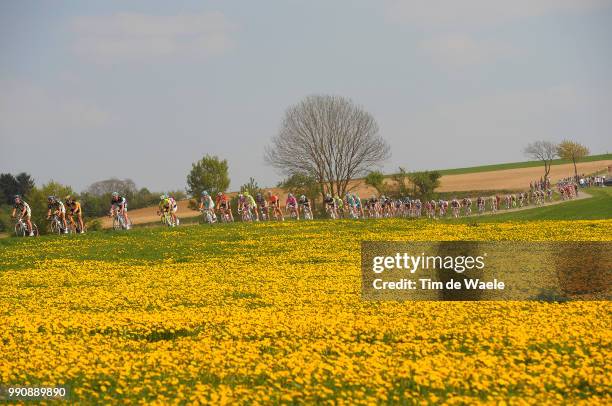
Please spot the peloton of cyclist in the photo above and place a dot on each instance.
(119, 204)
(56, 207)
(75, 210)
(24, 211)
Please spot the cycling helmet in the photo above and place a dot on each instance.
(17, 197)
(51, 198)
(328, 195)
(246, 193)
(219, 194)
(68, 198)
(302, 197)
(115, 194)
(162, 197)
(290, 195)
(204, 193)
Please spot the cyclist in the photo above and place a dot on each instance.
(251, 204)
(291, 206)
(386, 206)
(350, 204)
(339, 206)
(56, 207)
(75, 210)
(330, 206)
(373, 207)
(165, 207)
(442, 207)
(304, 203)
(358, 205)
(174, 206)
(224, 206)
(262, 204)
(207, 205)
(467, 205)
(417, 207)
(24, 211)
(119, 204)
(455, 207)
(242, 206)
(274, 204)
(481, 204)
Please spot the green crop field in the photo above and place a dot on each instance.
(517, 165)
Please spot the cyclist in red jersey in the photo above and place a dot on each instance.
(274, 204)
(222, 202)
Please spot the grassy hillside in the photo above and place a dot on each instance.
(517, 165)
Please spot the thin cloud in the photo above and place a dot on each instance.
(133, 36)
(480, 12)
(27, 109)
(458, 50)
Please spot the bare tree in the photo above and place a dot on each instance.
(544, 151)
(112, 185)
(328, 138)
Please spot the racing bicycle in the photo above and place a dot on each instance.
(119, 222)
(21, 228)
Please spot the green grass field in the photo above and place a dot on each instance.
(517, 165)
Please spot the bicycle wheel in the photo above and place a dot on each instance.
(72, 228)
(116, 223)
(20, 230)
(54, 227)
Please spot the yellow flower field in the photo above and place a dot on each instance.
(273, 313)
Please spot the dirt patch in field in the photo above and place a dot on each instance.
(507, 179)
(149, 214)
(514, 178)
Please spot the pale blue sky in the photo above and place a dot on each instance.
(141, 89)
